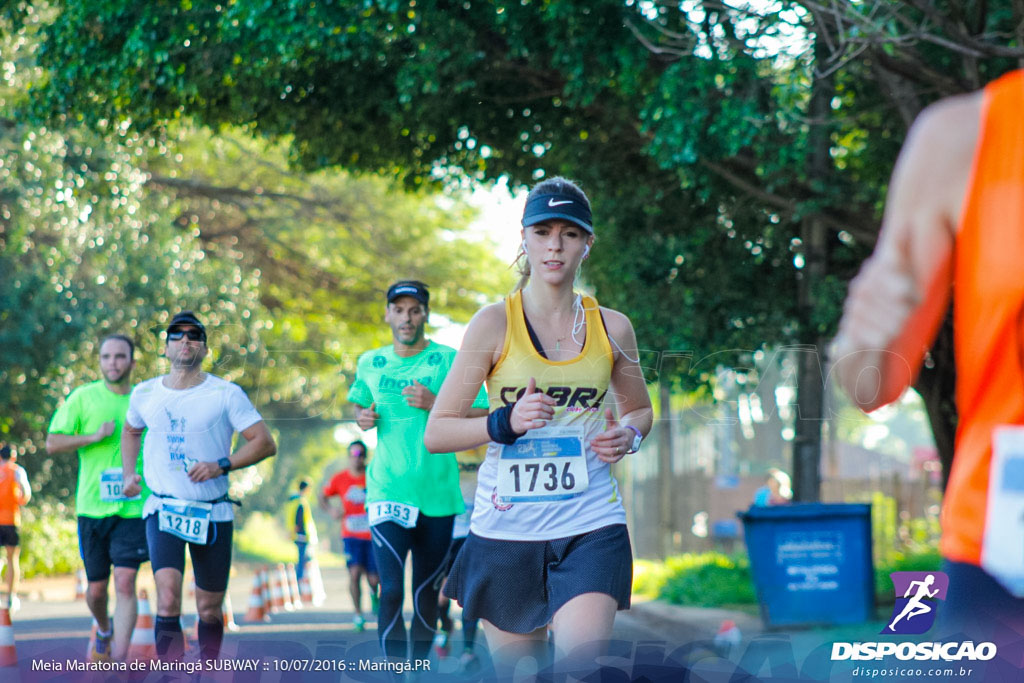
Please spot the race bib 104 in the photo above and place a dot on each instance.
(188, 520)
(112, 486)
(546, 464)
(390, 511)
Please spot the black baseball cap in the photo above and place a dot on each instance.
(186, 318)
(414, 288)
(545, 207)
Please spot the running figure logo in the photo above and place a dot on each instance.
(916, 593)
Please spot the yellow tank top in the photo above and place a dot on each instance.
(580, 387)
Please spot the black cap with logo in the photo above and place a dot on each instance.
(186, 318)
(546, 207)
(414, 288)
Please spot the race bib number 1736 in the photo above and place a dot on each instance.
(547, 464)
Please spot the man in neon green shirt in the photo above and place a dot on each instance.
(110, 528)
(412, 496)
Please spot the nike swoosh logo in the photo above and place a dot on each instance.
(552, 202)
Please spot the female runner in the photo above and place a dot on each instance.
(548, 545)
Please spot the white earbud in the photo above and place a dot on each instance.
(586, 250)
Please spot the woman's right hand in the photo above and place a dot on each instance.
(533, 410)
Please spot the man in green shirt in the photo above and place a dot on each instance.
(412, 496)
(110, 528)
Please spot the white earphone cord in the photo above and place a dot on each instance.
(579, 318)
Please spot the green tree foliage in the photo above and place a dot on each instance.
(488, 88)
(690, 123)
(104, 229)
(84, 253)
(325, 246)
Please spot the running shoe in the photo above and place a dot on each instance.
(14, 604)
(447, 624)
(469, 663)
(374, 602)
(101, 647)
(441, 644)
(359, 623)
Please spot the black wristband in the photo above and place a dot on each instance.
(499, 426)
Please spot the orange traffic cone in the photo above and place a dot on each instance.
(305, 590)
(8, 656)
(143, 645)
(80, 584)
(293, 587)
(276, 593)
(255, 611)
(316, 581)
(227, 614)
(286, 591)
(266, 591)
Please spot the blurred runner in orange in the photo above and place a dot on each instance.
(14, 494)
(952, 226)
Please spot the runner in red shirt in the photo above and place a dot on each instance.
(350, 487)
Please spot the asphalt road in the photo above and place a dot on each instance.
(51, 633)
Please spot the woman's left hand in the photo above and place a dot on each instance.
(611, 444)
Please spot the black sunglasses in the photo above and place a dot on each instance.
(192, 334)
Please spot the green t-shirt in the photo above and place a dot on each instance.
(88, 407)
(402, 470)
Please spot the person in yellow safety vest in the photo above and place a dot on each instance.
(14, 493)
(299, 519)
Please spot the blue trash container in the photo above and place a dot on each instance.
(811, 562)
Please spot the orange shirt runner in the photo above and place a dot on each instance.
(988, 305)
(13, 489)
(351, 489)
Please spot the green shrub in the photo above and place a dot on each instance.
(699, 579)
(714, 579)
(648, 578)
(49, 540)
(927, 559)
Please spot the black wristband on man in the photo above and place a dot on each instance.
(499, 426)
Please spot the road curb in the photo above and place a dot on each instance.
(685, 624)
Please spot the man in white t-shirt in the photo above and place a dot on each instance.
(190, 417)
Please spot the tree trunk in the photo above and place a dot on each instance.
(810, 379)
(665, 488)
(937, 385)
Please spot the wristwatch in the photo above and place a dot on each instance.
(225, 465)
(638, 438)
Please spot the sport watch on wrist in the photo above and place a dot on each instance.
(638, 438)
(225, 465)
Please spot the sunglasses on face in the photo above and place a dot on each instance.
(193, 335)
